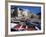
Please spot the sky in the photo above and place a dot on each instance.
(33, 9)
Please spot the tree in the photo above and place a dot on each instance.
(32, 16)
(15, 13)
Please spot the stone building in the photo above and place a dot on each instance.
(26, 13)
